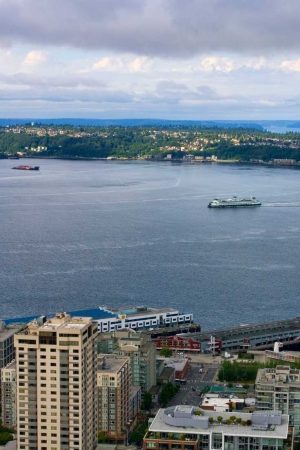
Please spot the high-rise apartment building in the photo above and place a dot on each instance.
(9, 395)
(279, 389)
(56, 384)
(113, 384)
(136, 346)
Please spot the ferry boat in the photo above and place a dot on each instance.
(234, 202)
(23, 167)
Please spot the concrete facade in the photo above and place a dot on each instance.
(56, 385)
(279, 389)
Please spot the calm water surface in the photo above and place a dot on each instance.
(85, 233)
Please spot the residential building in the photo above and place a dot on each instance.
(113, 386)
(188, 428)
(279, 389)
(136, 346)
(56, 384)
(9, 395)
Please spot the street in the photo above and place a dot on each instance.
(196, 381)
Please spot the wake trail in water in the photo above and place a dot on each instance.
(282, 205)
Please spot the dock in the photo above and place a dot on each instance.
(260, 336)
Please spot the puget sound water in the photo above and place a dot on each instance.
(79, 234)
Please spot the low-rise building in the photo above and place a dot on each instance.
(189, 428)
(178, 343)
(179, 365)
(222, 404)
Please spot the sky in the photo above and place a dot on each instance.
(172, 59)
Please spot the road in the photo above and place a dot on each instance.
(196, 381)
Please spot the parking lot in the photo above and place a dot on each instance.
(199, 376)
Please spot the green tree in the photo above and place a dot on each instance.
(147, 401)
(102, 437)
(137, 435)
(166, 352)
(167, 393)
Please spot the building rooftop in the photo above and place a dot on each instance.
(188, 419)
(59, 322)
(281, 375)
(166, 374)
(177, 364)
(112, 363)
(220, 402)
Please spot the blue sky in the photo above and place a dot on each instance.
(192, 59)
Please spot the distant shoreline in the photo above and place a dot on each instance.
(172, 161)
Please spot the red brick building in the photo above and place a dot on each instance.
(178, 343)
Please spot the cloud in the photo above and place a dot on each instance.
(292, 65)
(122, 63)
(57, 82)
(108, 63)
(139, 64)
(154, 27)
(35, 57)
(218, 64)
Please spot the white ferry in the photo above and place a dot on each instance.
(234, 202)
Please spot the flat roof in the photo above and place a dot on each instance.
(112, 364)
(217, 401)
(177, 364)
(60, 322)
(276, 432)
(264, 376)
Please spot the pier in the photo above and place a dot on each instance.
(251, 336)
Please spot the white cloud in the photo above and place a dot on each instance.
(256, 63)
(217, 64)
(122, 63)
(139, 64)
(35, 57)
(108, 63)
(292, 65)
